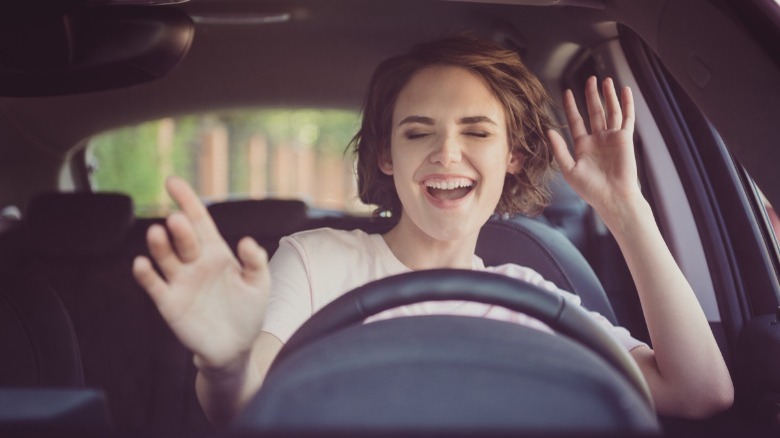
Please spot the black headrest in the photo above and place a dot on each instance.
(78, 224)
(252, 217)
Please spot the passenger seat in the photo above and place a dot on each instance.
(38, 346)
(82, 247)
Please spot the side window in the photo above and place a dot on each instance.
(771, 220)
(297, 154)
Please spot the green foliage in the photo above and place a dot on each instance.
(123, 162)
(130, 160)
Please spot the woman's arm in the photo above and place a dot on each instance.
(685, 369)
(213, 302)
(223, 393)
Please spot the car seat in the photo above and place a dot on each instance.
(82, 246)
(38, 347)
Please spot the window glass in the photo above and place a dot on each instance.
(297, 154)
(772, 218)
(768, 217)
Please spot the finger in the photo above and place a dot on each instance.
(190, 204)
(185, 240)
(147, 277)
(573, 116)
(254, 260)
(560, 151)
(595, 110)
(628, 110)
(614, 114)
(161, 250)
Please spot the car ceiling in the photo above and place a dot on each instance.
(324, 53)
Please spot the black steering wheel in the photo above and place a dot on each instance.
(348, 312)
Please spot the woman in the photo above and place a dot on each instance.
(452, 132)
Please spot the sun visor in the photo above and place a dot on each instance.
(90, 49)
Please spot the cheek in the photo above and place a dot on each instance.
(499, 167)
(405, 160)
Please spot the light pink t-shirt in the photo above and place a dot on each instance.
(312, 268)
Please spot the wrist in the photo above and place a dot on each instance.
(626, 213)
(224, 370)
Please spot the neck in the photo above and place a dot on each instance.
(418, 250)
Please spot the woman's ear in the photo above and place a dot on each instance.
(385, 162)
(515, 164)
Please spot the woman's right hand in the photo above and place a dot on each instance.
(214, 303)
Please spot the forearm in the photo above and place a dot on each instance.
(686, 368)
(223, 393)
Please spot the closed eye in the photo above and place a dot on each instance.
(478, 134)
(415, 135)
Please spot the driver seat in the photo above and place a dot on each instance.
(529, 242)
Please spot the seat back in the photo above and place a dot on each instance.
(82, 247)
(38, 346)
(528, 242)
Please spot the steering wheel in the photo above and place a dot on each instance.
(348, 312)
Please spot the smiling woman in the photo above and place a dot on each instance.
(442, 126)
(296, 154)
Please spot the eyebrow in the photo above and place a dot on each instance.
(476, 119)
(472, 120)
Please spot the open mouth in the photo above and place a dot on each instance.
(449, 189)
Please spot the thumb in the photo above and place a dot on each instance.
(254, 261)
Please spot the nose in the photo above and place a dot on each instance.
(447, 151)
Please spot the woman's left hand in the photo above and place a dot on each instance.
(603, 168)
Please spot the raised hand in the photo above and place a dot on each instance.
(603, 168)
(214, 303)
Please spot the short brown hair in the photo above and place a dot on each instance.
(524, 99)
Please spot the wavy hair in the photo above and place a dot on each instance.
(524, 99)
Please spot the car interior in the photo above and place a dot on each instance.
(84, 350)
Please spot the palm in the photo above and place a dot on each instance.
(213, 303)
(603, 168)
(210, 307)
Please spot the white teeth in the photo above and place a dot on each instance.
(449, 184)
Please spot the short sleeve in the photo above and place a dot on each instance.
(290, 302)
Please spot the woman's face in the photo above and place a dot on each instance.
(448, 152)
